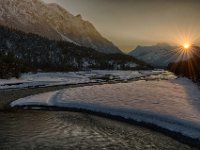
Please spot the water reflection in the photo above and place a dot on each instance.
(35, 130)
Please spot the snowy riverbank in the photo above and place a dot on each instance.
(173, 105)
(57, 78)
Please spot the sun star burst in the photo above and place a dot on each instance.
(186, 46)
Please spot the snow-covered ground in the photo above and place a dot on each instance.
(57, 78)
(171, 104)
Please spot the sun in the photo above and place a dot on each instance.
(186, 46)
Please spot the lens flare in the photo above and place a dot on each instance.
(185, 55)
(186, 46)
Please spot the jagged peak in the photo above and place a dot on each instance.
(51, 19)
(79, 16)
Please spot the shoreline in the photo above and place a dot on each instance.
(97, 80)
(192, 142)
(7, 96)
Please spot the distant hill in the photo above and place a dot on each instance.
(53, 22)
(159, 55)
(22, 52)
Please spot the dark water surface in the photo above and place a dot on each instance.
(45, 130)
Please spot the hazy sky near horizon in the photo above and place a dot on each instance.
(128, 23)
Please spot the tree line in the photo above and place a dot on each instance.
(25, 52)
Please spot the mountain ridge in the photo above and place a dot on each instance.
(159, 55)
(53, 22)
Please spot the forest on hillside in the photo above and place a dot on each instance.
(22, 52)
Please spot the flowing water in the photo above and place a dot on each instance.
(58, 130)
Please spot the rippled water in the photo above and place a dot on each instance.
(44, 130)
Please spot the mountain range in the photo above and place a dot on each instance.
(53, 22)
(159, 55)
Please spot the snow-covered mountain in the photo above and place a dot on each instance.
(54, 22)
(159, 55)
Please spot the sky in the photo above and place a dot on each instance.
(129, 23)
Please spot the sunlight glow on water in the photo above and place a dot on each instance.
(35, 130)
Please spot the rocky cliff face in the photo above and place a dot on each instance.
(53, 22)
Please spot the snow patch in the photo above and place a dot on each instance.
(31, 80)
(66, 38)
(173, 105)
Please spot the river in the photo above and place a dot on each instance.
(58, 130)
